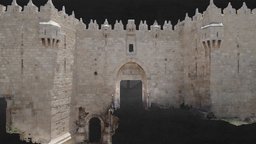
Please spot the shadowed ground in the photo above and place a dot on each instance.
(177, 126)
(174, 126)
(157, 126)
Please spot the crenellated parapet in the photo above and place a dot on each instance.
(143, 26)
(167, 26)
(44, 13)
(118, 26)
(30, 7)
(119, 29)
(49, 12)
(229, 10)
(14, 7)
(211, 24)
(155, 28)
(106, 27)
(93, 25)
(131, 27)
(244, 10)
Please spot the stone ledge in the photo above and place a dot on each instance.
(61, 139)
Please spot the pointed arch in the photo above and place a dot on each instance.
(131, 70)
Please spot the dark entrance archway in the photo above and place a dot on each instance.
(94, 130)
(131, 71)
(131, 95)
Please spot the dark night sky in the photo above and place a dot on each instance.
(149, 10)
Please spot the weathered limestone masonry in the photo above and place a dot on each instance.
(36, 76)
(57, 74)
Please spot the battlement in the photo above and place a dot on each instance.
(44, 13)
(167, 26)
(48, 11)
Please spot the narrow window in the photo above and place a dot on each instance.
(204, 44)
(203, 71)
(156, 36)
(131, 49)
(22, 66)
(57, 43)
(65, 63)
(214, 43)
(209, 43)
(53, 42)
(43, 41)
(219, 43)
(238, 62)
(49, 42)
(196, 68)
(65, 42)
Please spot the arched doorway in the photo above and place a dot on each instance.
(94, 130)
(131, 71)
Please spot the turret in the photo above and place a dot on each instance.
(50, 34)
(212, 28)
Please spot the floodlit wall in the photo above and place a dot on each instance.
(55, 70)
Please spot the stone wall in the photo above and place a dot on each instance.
(233, 66)
(52, 65)
(99, 58)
